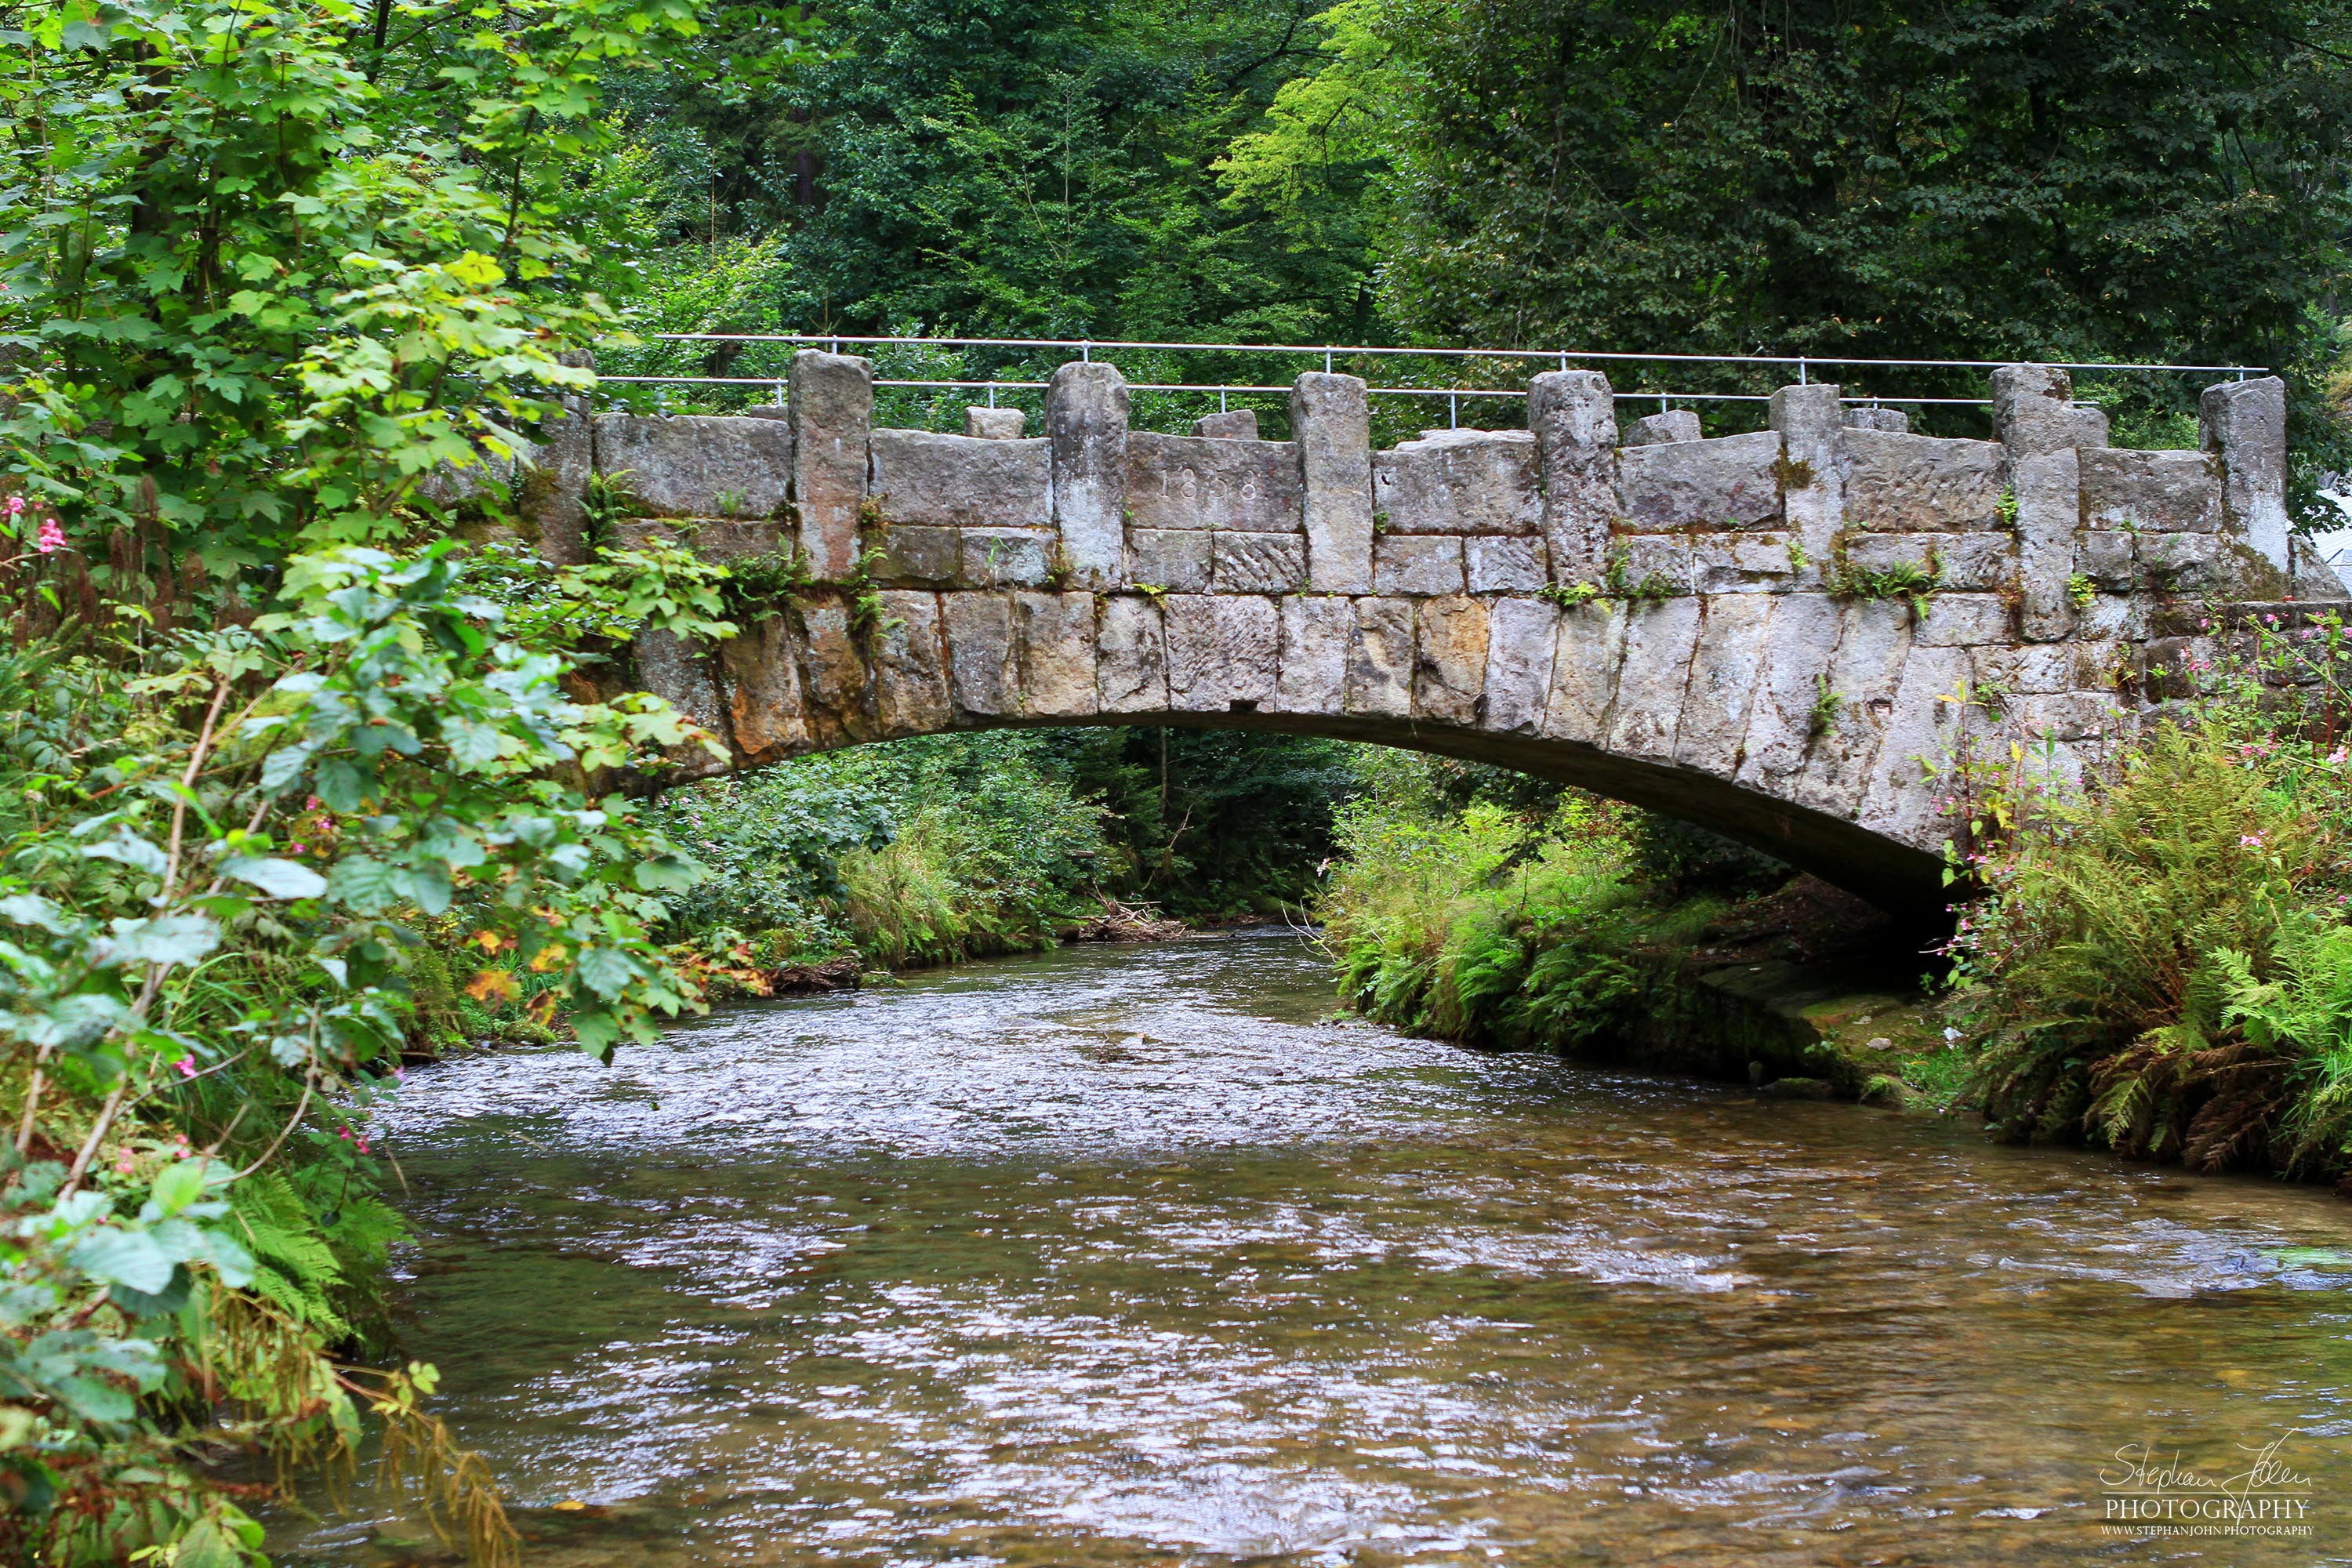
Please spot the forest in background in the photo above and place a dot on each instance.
(289, 781)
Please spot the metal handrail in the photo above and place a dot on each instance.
(1331, 351)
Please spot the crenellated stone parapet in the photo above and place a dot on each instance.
(1781, 634)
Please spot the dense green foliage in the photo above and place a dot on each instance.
(946, 848)
(266, 268)
(2162, 966)
(1979, 179)
(1484, 907)
(218, 858)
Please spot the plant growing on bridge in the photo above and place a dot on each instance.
(1822, 718)
(1906, 580)
(1568, 595)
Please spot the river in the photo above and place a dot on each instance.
(1130, 1256)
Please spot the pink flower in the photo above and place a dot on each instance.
(2250, 841)
(187, 1066)
(15, 505)
(52, 539)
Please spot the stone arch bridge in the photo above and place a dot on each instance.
(1772, 635)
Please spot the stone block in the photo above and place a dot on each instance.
(1874, 639)
(1725, 668)
(763, 691)
(2150, 493)
(1647, 715)
(1315, 632)
(1006, 557)
(831, 425)
(2048, 485)
(994, 423)
(1224, 652)
(1231, 424)
(1380, 658)
(551, 491)
(1417, 563)
(1056, 632)
(1258, 562)
(1896, 483)
(1175, 559)
(1574, 416)
(962, 480)
(712, 538)
(2091, 428)
(1330, 418)
(1728, 483)
(1741, 564)
(2181, 562)
(1665, 557)
(2067, 715)
(1657, 430)
(2313, 579)
(1892, 420)
(2116, 615)
(1188, 481)
(911, 683)
(1922, 727)
(1085, 421)
(1810, 422)
(1584, 668)
(983, 676)
(1131, 660)
(932, 556)
(1962, 562)
(2033, 408)
(1459, 481)
(1522, 637)
(696, 464)
(2104, 557)
(2244, 422)
(1800, 642)
(2038, 669)
(1449, 677)
(833, 673)
(1504, 563)
(1964, 620)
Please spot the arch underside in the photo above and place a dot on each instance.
(1903, 881)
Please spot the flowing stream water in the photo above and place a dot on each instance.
(1120, 1255)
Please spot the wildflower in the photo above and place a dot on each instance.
(2250, 841)
(15, 506)
(1951, 1036)
(187, 1066)
(52, 539)
(2336, 758)
(122, 1163)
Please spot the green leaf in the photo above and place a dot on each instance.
(606, 970)
(362, 881)
(177, 1185)
(113, 1255)
(277, 878)
(165, 938)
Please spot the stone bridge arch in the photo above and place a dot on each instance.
(1775, 634)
